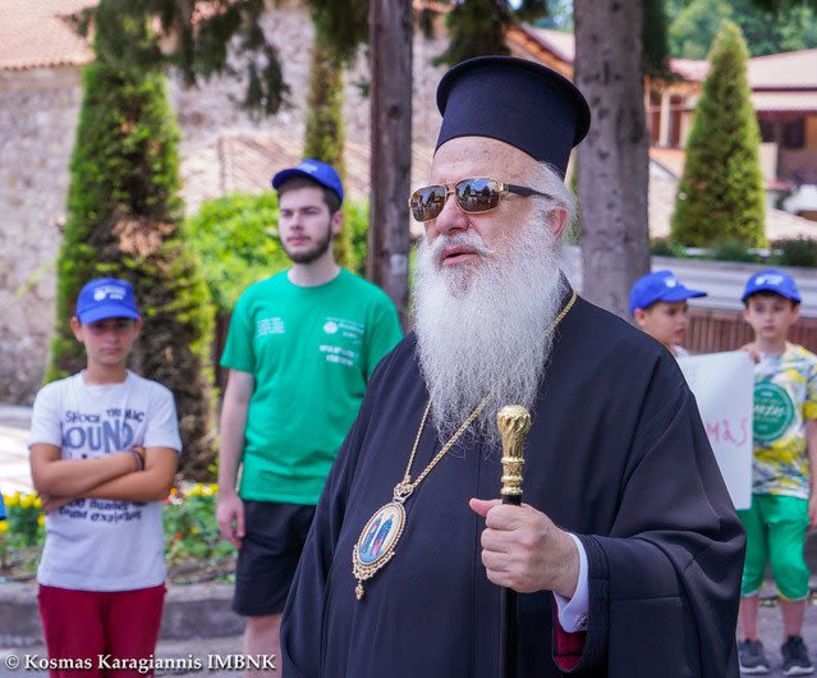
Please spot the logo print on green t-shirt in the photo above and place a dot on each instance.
(773, 412)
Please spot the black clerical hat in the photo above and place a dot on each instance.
(516, 101)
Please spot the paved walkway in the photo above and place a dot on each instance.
(203, 648)
(15, 476)
(188, 655)
(14, 471)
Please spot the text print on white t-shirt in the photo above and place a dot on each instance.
(113, 431)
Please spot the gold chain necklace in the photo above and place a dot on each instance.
(378, 539)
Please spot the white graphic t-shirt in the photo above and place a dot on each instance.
(100, 544)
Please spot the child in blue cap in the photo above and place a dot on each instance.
(658, 304)
(785, 450)
(104, 447)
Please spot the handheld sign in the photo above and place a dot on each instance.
(723, 384)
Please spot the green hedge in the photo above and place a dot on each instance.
(237, 240)
(788, 252)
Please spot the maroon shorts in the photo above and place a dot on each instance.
(82, 625)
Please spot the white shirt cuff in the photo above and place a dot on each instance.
(573, 612)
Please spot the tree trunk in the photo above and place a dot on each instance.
(325, 129)
(390, 34)
(613, 159)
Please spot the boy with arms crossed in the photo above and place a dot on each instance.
(104, 450)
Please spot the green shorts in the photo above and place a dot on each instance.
(776, 532)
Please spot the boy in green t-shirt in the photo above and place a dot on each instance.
(301, 347)
(784, 502)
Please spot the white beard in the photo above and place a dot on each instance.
(484, 329)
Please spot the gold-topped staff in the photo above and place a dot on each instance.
(514, 423)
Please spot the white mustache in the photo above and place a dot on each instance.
(467, 239)
(483, 329)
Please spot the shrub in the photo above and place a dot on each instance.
(191, 530)
(733, 250)
(193, 546)
(796, 252)
(357, 226)
(24, 526)
(237, 240)
(665, 247)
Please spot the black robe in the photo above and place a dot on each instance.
(616, 454)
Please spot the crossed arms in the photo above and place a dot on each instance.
(115, 476)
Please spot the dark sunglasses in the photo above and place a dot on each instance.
(474, 196)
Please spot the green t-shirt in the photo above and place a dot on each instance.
(785, 399)
(311, 351)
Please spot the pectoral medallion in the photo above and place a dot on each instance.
(375, 546)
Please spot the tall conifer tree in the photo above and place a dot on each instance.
(340, 26)
(124, 220)
(721, 196)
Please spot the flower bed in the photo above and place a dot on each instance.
(193, 548)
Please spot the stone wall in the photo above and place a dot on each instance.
(38, 117)
(206, 113)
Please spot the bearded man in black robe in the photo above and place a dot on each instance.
(626, 553)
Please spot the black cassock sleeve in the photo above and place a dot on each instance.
(663, 583)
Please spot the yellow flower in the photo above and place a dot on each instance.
(4, 526)
(208, 490)
(41, 520)
(37, 502)
(26, 501)
(13, 499)
(196, 490)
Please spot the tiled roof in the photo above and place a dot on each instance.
(247, 161)
(694, 70)
(563, 46)
(779, 224)
(560, 43)
(801, 102)
(671, 160)
(38, 34)
(787, 70)
(783, 71)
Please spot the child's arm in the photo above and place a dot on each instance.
(811, 446)
(152, 484)
(54, 476)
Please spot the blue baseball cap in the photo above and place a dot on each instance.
(317, 170)
(659, 286)
(772, 280)
(104, 298)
